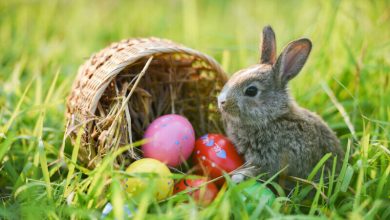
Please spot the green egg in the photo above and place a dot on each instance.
(256, 194)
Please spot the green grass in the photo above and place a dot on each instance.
(42, 43)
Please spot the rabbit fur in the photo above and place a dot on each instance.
(264, 122)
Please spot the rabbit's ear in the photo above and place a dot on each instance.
(292, 59)
(268, 48)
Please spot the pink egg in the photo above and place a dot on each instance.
(170, 139)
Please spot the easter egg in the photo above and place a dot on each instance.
(215, 154)
(149, 174)
(108, 209)
(202, 193)
(169, 139)
(257, 193)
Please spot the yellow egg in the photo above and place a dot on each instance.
(148, 168)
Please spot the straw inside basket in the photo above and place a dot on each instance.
(176, 82)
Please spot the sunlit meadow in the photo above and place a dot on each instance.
(346, 81)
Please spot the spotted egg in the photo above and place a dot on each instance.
(151, 176)
(169, 139)
(215, 154)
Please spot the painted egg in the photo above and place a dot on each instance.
(108, 209)
(255, 194)
(202, 192)
(170, 139)
(149, 174)
(215, 154)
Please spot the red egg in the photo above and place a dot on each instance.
(215, 154)
(202, 193)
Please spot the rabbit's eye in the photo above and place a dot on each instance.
(251, 91)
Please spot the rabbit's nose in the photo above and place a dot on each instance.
(221, 100)
(221, 104)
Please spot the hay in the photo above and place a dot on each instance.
(123, 88)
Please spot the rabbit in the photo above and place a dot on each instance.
(268, 128)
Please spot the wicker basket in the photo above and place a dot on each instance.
(121, 89)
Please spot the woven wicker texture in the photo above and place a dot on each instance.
(96, 87)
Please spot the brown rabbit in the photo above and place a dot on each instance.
(266, 125)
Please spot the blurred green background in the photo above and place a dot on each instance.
(40, 40)
(350, 38)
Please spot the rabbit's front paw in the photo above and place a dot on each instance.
(238, 178)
